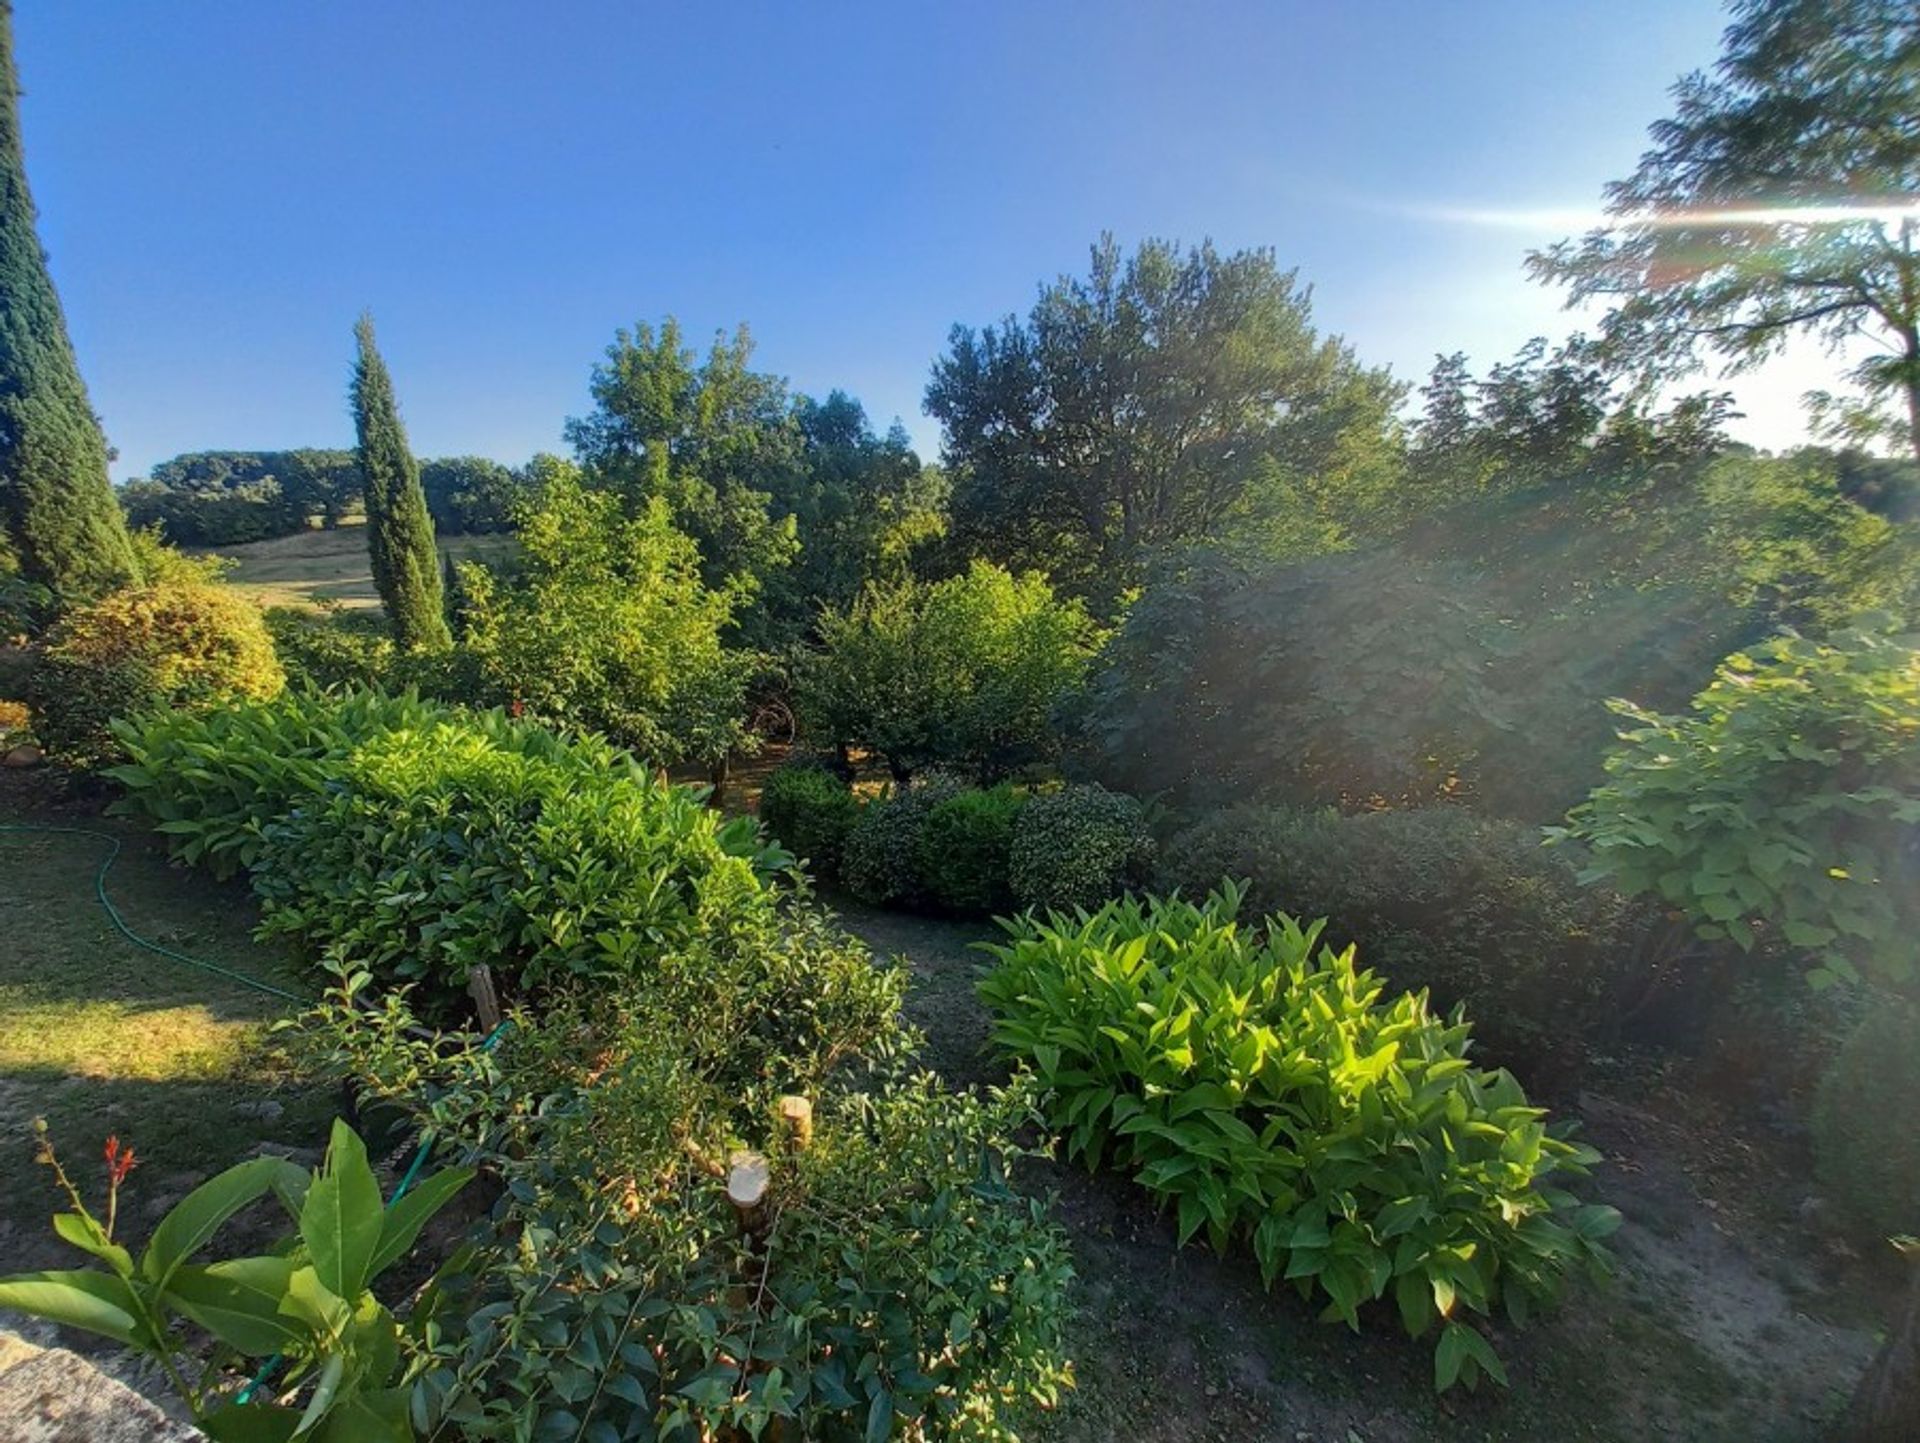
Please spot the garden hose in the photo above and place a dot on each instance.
(427, 1139)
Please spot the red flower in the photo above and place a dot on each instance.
(516, 708)
(119, 1163)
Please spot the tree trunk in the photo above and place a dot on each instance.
(1886, 1405)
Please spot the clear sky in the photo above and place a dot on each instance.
(223, 186)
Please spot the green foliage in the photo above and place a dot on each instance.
(1810, 105)
(58, 516)
(421, 840)
(472, 495)
(893, 1286)
(336, 650)
(1077, 847)
(1866, 1151)
(811, 811)
(437, 849)
(879, 862)
(308, 1303)
(964, 673)
(965, 851)
(228, 498)
(179, 644)
(1469, 660)
(1168, 396)
(607, 625)
(1269, 1093)
(1472, 908)
(1787, 803)
(400, 545)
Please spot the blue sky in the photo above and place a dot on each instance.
(223, 186)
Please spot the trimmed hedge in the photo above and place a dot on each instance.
(965, 851)
(811, 811)
(1079, 846)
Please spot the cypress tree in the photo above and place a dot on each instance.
(63, 526)
(406, 566)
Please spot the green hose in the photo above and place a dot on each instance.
(113, 913)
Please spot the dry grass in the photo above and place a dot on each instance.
(320, 567)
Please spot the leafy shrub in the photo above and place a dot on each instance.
(334, 650)
(1474, 908)
(880, 861)
(895, 1286)
(1267, 1091)
(811, 811)
(965, 851)
(964, 673)
(1077, 847)
(309, 1303)
(16, 724)
(1787, 802)
(422, 840)
(1865, 1147)
(168, 645)
(607, 625)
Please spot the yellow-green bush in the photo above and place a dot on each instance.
(169, 644)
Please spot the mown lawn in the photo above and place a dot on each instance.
(100, 1036)
(320, 567)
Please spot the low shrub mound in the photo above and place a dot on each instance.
(880, 862)
(965, 851)
(811, 811)
(1077, 847)
(332, 651)
(180, 644)
(1866, 1150)
(1262, 1085)
(421, 840)
(1472, 907)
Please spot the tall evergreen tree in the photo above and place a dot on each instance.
(62, 523)
(406, 566)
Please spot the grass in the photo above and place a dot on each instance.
(100, 1036)
(317, 568)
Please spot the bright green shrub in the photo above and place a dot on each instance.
(338, 650)
(175, 644)
(1268, 1092)
(965, 851)
(880, 862)
(1866, 1149)
(606, 624)
(1786, 803)
(1077, 847)
(964, 673)
(421, 839)
(1474, 908)
(811, 811)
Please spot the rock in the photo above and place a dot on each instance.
(48, 1395)
(266, 1110)
(24, 755)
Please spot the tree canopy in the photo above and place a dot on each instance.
(62, 527)
(1777, 200)
(1164, 396)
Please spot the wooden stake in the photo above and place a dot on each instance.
(485, 999)
(748, 1181)
(796, 1116)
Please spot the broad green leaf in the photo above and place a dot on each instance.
(238, 1301)
(252, 1423)
(405, 1218)
(372, 1416)
(88, 1236)
(326, 1392)
(343, 1217)
(80, 1298)
(194, 1220)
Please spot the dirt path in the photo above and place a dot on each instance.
(1723, 1321)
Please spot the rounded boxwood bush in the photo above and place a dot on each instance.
(173, 644)
(966, 851)
(1078, 847)
(880, 862)
(810, 811)
(1866, 1147)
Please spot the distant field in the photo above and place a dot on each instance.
(316, 567)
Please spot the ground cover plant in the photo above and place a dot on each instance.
(1262, 1086)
